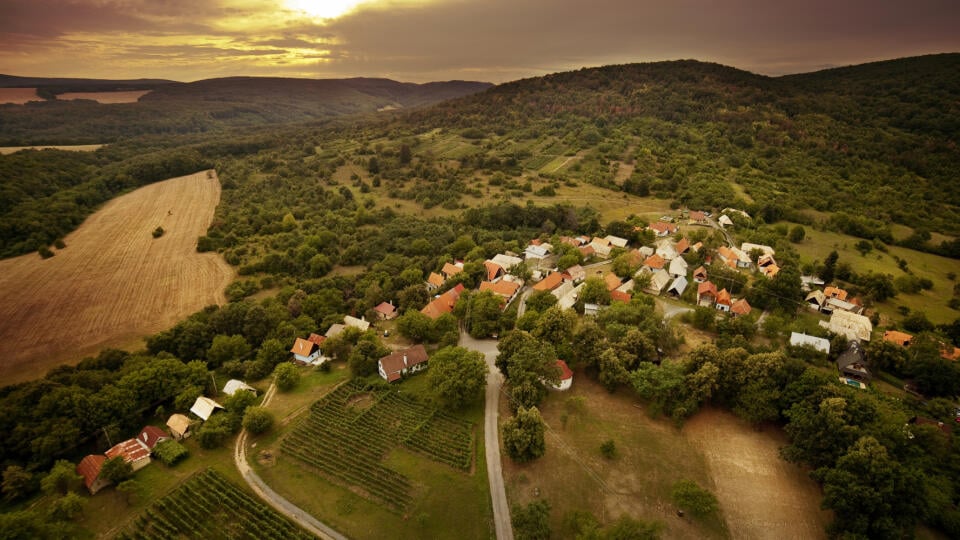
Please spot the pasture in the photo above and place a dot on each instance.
(106, 98)
(113, 283)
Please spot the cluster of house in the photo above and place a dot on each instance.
(309, 350)
(138, 450)
(903, 339)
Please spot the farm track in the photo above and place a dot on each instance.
(114, 283)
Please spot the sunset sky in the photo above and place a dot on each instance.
(425, 40)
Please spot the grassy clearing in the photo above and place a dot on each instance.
(573, 475)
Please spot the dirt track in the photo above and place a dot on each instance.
(114, 283)
(761, 495)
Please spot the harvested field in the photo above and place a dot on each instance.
(761, 495)
(5, 150)
(18, 96)
(128, 96)
(114, 283)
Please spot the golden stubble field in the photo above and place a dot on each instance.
(114, 283)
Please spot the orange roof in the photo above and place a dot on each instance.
(620, 296)
(700, 272)
(443, 303)
(550, 282)
(723, 297)
(696, 215)
(386, 308)
(130, 449)
(726, 253)
(950, 353)
(741, 307)
(612, 281)
(303, 347)
(835, 292)
(150, 436)
(707, 287)
(565, 372)
(89, 468)
(587, 250)
(493, 270)
(502, 288)
(316, 338)
(900, 338)
(535, 242)
(435, 279)
(682, 246)
(697, 246)
(450, 269)
(654, 261)
(662, 227)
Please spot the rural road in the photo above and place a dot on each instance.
(282, 505)
(491, 435)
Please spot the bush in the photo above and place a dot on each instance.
(694, 499)
(287, 377)
(531, 522)
(68, 507)
(523, 435)
(215, 431)
(608, 449)
(170, 452)
(158, 232)
(257, 420)
(116, 470)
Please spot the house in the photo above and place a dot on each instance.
(661, 228)
(179, 426)
(727, 257)
(808, 282)
(678, 267)
(700, 274)
(234, 385)
(566, 377)
(506, 261)
(724, 302)
(682, 246)
(316, 338)
(306, 352)
(89, 468)
(601, 247)
(646, 251)
(449, 270)
(658, 281)
(900, 338)
(151, 436)
(706, 294)
(397, 364)
(852, 364)
(747, 247)
(725, 221)
(741, 308)
(616, 241)
(816, 300)
(503, 288)
(494, 270)
(434, 281)
(443, 303)
(386, 311)
(587, 251)
(334, 330)
(360, 324)
(678, 286)
(575, 242)
(550, 282)
(621, 295)
(855, 327)
(204, 407)
(576, 273)
(537, 250)
(803, 340)
(835, 292)
(667, 249)
(834, 304)
(697, 217)
(612, 281)
(591, 309)
(134, 453)
(770, 270)
(654, 262)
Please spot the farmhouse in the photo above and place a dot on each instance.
(620, 295)
(386, 311)
(306, 352)
(233, 386)
(706, 294)
(654, 262)
(89, 468)
(835, 292)
(849, 324)
(179, 426)
(697, 217)
(817, 300)
(566, 377)
(151, 436)
(550, 282)
(682, 246)
(443, 303)
(134, 453)
(204, 407)
(725, 221)
(803, 340)
(397, 364)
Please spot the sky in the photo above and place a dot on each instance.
(432, 40)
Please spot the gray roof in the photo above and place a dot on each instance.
(679, 285)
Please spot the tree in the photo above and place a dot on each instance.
(689, 496)
(531, 522)
(540, 301)
(239, 401)
(829, 267)
(482, 317)
(225, 348)
(67, 508)
(415, 326)
(523, 435)
(17, 483)
(257, 420)
(457, 376)
(62, 478)
(132, 490)
(797, 234)
(608, 449)
(364, 356)
(116, 470)
(594, 291)
(555, 325)
(287, 376)
(215, 431)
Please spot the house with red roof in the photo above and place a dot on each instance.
(386, 311)
(134, 453)
(620, 296)
(89, 468)
(494, 270)
(150, 436)
(612, 281)
(443, 303)
(900, 338)
(395, 365)
(566, 377)
(700, 274)
(662, 228)
(655, 262)
(706, 294)
(306, 352)
(503, 288)
(740, 307)
(724, 302)
(434, 281)
(449, 270)
(550, 282)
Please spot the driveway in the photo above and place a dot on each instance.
(491, 435)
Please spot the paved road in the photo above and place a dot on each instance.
(491, 435)
(273, 498)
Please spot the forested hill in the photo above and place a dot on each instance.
(203, 106)
(60, 84)
(877, 140)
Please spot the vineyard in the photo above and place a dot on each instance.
(347, 443)
(207, 506)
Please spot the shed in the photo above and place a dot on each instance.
(134, 453)
(204, 407)
(233, 385)
(566, 377)
(678, 286)
(89, 468)
(179, 426)
(150, 436)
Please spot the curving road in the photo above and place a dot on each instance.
(274, 499)
(491, 435)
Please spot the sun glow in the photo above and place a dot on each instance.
(324, 9)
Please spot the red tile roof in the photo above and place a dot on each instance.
(450, 269)
(443, 303)
(493, 270)
(741, 307)
(316, 338)
(394, 363)
(587, 251)
(663, 228)
(900, 338)
(303, 347)
(835, 292)
(151, 435)
(385, 308)
(682, 246)
(707, 287)
(89, 468)
(620, 296)
(723, 297)
(502, 288)
(700, 272)
(550, 282)
(565, 372)
(612, 281)
(655, 261)
(435, 279)
(131, 450)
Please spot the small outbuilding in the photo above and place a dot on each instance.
(234, 385)
(305, 352)
(566, 377)
(204, 407)
(179, 426)
(134, 453)
(151, 436)
(89, 468)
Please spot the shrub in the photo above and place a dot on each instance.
(170, 452)
(116, 470)
(257, 420)
(287, 376)
(531, 522)
(694, 499)
(608, 449)
(158, 232)
(523, 435)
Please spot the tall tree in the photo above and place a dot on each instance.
(457, 376)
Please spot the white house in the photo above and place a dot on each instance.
(397, 364)
(204, 407)
(506, 261)
(658, 280)
(234, 385)
(849, 324)
(800, 340)
(725, 221)
(307, 352)
(678, 286)
(566, 377)
(678, 267)
(667, 249)
(601, 247)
